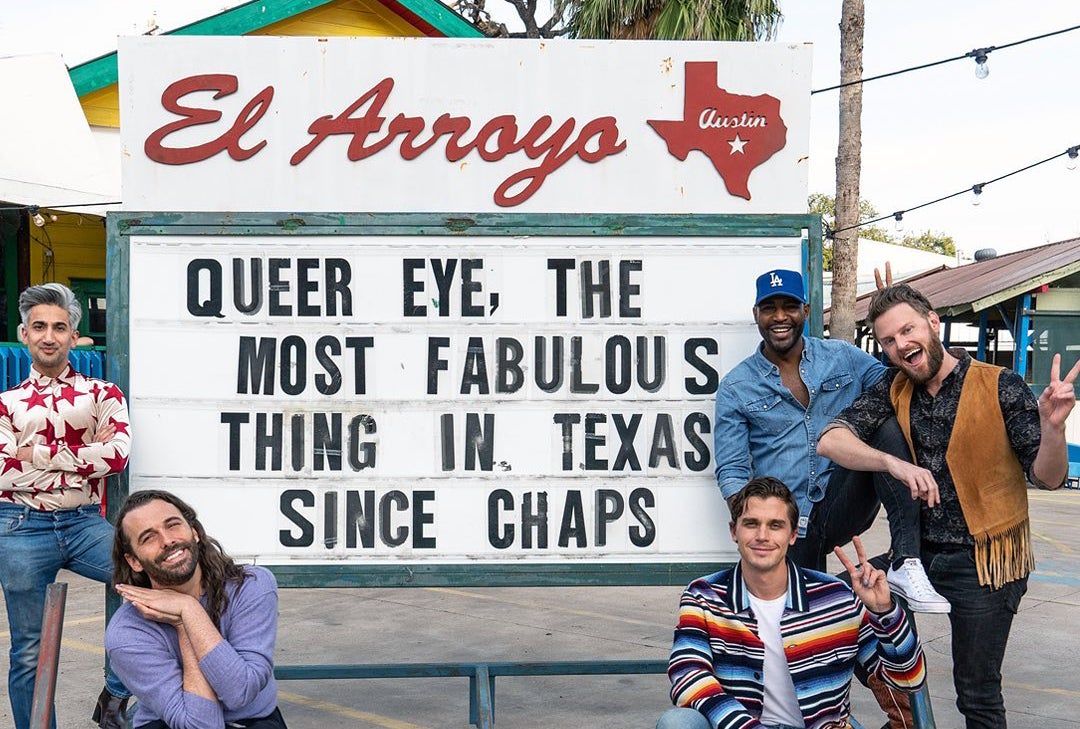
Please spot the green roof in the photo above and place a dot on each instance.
(251, 16)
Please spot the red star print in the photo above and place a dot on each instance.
(12, 464)
(116, 464)
(48, 432)
(69, 393)
(121, 427)
(74, 436)
(35, 399)
(4, 412)
(85, 471)
(112, 392)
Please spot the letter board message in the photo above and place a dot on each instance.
(492, 398)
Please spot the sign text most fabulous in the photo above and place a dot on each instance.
(496, 139)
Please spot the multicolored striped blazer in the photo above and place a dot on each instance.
(717, 658)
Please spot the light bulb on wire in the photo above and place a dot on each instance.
(982, 70)
(898, 221)
(1070, 161)
(37, 217)
(977, 193)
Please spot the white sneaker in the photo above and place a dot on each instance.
(911, 583)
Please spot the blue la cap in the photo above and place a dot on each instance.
(780, 283)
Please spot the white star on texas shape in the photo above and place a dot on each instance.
(737, 145)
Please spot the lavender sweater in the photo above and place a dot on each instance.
(146, 657)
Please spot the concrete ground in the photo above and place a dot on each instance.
(427, 624)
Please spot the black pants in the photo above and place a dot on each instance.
(271, 721)
(851, 503)
(981, 619)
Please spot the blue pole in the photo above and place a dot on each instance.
(1022, 337)
(984, 318)
(921, 712)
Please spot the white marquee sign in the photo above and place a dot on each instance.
(452, 399)
(371, 397)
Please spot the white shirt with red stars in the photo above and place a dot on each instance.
(59, 417)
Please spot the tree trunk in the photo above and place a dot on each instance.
(848, 167)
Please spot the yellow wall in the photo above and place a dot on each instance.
(102, 107)
(77, 244)
(344, 18)
(363, 18)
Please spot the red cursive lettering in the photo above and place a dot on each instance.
(495, 140)
(224, 85)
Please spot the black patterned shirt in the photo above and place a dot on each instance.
(932, 419)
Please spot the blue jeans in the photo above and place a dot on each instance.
(694, 719)
(34, 546)
(851, 503)
(981, 619)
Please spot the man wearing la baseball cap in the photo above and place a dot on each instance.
(781, 283)
(770, 410)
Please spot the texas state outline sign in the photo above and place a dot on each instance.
(737, 133)
(402, 124)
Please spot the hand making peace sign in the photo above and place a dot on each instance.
(1059, 397)
(867, 581)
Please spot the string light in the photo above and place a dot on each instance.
(1071, 153)
(979, 54)
(898, 216)
(981, 69)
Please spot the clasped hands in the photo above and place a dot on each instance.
(161, 606)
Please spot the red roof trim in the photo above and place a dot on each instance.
(412, 19)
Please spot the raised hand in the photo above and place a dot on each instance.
(1059, 397)
(888, 277)
(867, 581)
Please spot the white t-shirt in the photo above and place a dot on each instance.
(780, 705)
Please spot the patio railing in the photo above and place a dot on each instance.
(15, 363)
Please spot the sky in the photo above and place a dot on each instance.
(926, 134)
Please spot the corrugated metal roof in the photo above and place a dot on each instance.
(969, 289)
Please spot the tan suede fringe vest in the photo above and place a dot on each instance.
(989, 479)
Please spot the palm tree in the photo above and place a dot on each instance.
(848, 171)
(736, 20)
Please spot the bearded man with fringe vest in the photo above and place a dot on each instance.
(978, 436)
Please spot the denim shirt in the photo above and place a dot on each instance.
(762, 430)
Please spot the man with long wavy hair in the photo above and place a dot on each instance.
(194, 639)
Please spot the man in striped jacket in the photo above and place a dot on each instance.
(770, 644)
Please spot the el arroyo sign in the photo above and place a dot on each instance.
(370, 396)
(404, 124)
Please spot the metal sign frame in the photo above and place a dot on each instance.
(121, 226)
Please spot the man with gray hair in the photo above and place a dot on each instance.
(61, 434)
